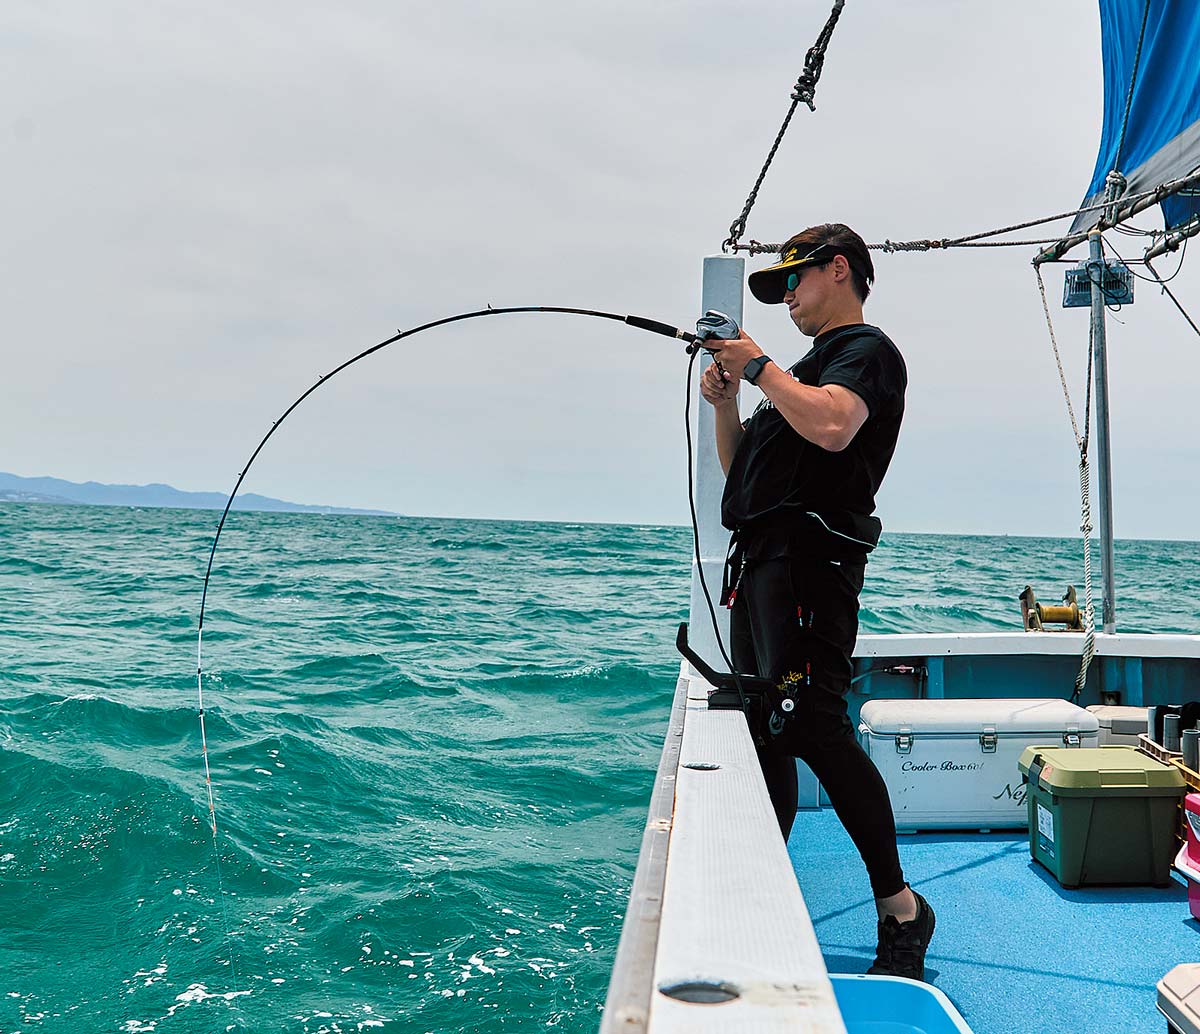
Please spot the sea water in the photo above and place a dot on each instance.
(432, 745)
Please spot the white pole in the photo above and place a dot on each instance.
(1103, 450)
(724, 276)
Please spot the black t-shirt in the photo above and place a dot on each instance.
(777, 474)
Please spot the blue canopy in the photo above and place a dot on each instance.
(1162, 138)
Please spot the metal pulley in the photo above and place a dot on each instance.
(1035, 616)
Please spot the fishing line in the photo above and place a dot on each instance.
(640, 322)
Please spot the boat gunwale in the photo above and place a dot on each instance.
(631, 985)
(1131, 645)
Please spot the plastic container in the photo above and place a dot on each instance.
(1120, 725)
(894, 1005)
(1156, 750)
(952, 764)
(1187, 861)
(1102, 815)
(1179, 998)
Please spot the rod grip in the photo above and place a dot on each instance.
(642, 323)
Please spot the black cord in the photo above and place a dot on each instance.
(1110, 295)
(712, 611)
(1149, 279)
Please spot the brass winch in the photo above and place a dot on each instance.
(1037, 616)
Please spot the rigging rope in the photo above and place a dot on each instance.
(1085, 490)
(1171, 294)
(971, 240)
(1137, 60)
(805, 90)
(964, 242)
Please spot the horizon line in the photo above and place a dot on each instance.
(385, 515)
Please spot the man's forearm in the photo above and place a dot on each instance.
(826, 419)
(729, 432)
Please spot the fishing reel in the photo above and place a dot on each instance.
(713, 326)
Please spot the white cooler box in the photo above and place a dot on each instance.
(1120, 726)
(952, 764)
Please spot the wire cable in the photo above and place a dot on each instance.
(1148, 279)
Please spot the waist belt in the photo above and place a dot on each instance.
(841, 536)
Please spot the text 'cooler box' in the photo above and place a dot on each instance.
(952, 764)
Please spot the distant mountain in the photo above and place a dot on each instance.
(14, 489)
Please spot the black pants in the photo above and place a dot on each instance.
(795, 621)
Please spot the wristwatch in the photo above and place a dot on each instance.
(754, 368)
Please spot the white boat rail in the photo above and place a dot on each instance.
(717, 936)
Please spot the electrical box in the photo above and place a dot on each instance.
(1116, 281)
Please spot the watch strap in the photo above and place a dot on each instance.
(754, 368)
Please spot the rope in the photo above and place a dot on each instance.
(1085, 492)
(1089, 610)
(1080, 440)
(1137, 60)
(1170, 294)
(894, 246)
(805, 90)
(971, 240)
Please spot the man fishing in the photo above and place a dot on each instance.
(801, 477)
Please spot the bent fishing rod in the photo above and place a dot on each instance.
(712, 326)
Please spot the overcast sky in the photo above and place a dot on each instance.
(206, 206)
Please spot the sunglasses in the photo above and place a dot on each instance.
(793, 280)
(811, 259)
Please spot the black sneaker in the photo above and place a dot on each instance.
(902, 946)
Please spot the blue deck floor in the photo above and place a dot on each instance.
(1013, 950)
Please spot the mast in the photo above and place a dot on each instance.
(1096, 271)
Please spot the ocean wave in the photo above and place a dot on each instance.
(479, 545)
(24, 565)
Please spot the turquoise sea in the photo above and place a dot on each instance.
(432, 747)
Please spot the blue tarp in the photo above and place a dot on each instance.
(1162, 138)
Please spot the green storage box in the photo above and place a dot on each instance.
(1102, 814)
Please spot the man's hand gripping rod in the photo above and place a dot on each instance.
(714, 326)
